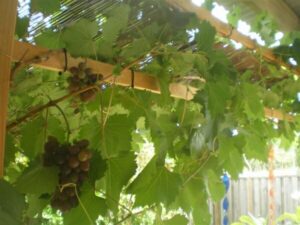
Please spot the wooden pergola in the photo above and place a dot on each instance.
(13, 51)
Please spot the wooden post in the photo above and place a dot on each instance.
(8, 12)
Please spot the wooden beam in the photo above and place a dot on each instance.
(279, 9)
(55, 60)
(226, 30)
(8, 12)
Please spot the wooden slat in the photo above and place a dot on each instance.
(55, 60)
(227, 31)
(277, 9)
(8, 11)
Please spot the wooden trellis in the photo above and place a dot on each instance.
(55, 60)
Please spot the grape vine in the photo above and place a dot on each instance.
(127, 154)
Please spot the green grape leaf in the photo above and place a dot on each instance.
(94, 206)
(215, 186)
(119, 171)
(10, 149)
(176, 220)
(38, 180)
(253, 106)
(56, 129)
(230, 157)
(36, 204)
(256, 147)
(45, 6)
(92, 131)
(116, 22)
(32, 140)
(79, 38)
(118, 134)
(50, 39)
(192, 198)
(22, 26)
(135, 49)
(155, 184)
(218, 95)
(12, 204)
(206, 36)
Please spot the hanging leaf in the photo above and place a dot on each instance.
(45, 6)
(12, 204)
(38, 180)
(79, 38)
(155, 184)
(119, 171)
(50, 39)
(176, 220)
(215, 186)
(32, 140)
(94, 206)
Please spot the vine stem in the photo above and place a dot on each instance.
(66, 120)
(79, 200)
(132, 214)
(196, 172)
(47, 105)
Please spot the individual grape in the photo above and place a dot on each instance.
(82, 66)
(85, 166)
(74, 70)
(59, 158)
(65, 170)
(82, 176)
(73, 162)
(73, 178)
(84, 155)
(74, 201)
(87, 95)
(74, 149)
(83, 143)
(88, 71)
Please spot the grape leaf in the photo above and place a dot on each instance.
(22, 26)
(256, 148)
(56, 129)
(215, 186)
(36, 175)
(118, 134)
(117, 21)
(32, 140)
(253, 106)
(78, 38)
(45, 6)
(92, 131)
(12, 204)
(230, 157)
(36, 204)
(50, 39)
(206, 36)
(176, 220)
(193, 198)
(10, 149)
(155, 184)
(135, 49)
(94, 206)
(119, 171)
(218, 95)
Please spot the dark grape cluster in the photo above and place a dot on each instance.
(82, 77)
(74, 164)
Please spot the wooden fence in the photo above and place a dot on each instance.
(249, 195)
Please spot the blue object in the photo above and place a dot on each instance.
(225, 204)
(225, 220)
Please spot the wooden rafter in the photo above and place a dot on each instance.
(55, 60)
(8, 11)
(226, 30)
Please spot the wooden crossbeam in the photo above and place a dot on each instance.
(55, 60)
(228, 31)
(8, 12)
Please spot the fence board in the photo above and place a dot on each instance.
(249, 194)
